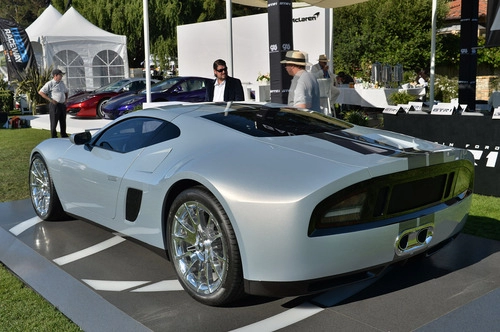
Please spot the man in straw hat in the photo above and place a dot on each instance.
(321, 69)
(304, 90)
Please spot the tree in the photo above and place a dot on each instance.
(23, 12)
(386, 31)
(126, 18)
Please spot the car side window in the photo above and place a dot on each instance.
(194, 84)
(137, 85)
(182, 87)
(136, 133)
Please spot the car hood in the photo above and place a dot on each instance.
(121, 98)
(87, 95)
(80, 97)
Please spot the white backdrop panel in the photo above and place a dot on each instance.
(201, 43)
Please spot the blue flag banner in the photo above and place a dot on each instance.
(17, 49)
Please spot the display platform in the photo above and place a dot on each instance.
(105, 282)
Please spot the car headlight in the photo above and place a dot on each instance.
(132, 101)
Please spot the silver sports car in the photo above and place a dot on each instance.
(258, 199)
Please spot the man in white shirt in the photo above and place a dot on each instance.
(56, 93)
(321, 69)
(225, 87)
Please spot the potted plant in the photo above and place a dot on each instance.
(32, 83)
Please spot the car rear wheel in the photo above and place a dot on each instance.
(42, 191)
(203, 248)
(99, 110)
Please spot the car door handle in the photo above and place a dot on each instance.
(112, 178)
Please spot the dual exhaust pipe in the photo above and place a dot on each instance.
(413, 240)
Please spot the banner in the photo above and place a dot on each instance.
(280, 27)
(493, 24)
(17, 49)
(468, 53)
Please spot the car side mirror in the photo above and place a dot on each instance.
(81, 138)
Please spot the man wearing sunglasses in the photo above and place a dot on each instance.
(225, 88)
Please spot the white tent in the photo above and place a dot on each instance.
(90, 56)
(43, 24)
(40, 27)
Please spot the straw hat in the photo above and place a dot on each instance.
(323, 58)
(295, 58)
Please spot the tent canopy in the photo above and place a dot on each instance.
(90, 56)
(43, 24)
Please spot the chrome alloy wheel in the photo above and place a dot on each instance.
(40, 187)
(199, 250)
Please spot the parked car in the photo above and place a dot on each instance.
(179, 88)
(259, 199)
(89, 104)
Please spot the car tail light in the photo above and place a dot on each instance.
(392, 198)
(348, 210)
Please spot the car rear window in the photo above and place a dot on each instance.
(262, 121)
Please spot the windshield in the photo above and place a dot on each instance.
(263, 121)
(112, 86)
(164, 85)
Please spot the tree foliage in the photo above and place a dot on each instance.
(126, 18)
(23, 12)
(488, 55)
(386, 31)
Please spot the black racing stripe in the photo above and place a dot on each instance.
(356, 145)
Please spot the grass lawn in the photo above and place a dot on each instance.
(21, 309)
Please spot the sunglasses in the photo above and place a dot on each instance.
(221, 70)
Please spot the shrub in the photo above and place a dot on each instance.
(401, 97)
(6, 101)
(356, 117)
(32, 83)
(445, 89)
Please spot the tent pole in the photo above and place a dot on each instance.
(433, 54)
(229, 17)
(146, 50)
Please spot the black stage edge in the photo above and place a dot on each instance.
(478, 133)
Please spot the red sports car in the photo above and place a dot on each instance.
(89, 104)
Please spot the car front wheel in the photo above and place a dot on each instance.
(99, 110)
(203, 248)
(42, 191)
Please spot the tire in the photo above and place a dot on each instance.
(203, 248)
(42, 191)
(98, 110)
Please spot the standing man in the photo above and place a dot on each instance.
(304, 90)
(56, 93)
(321, 69)
(225, 88)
